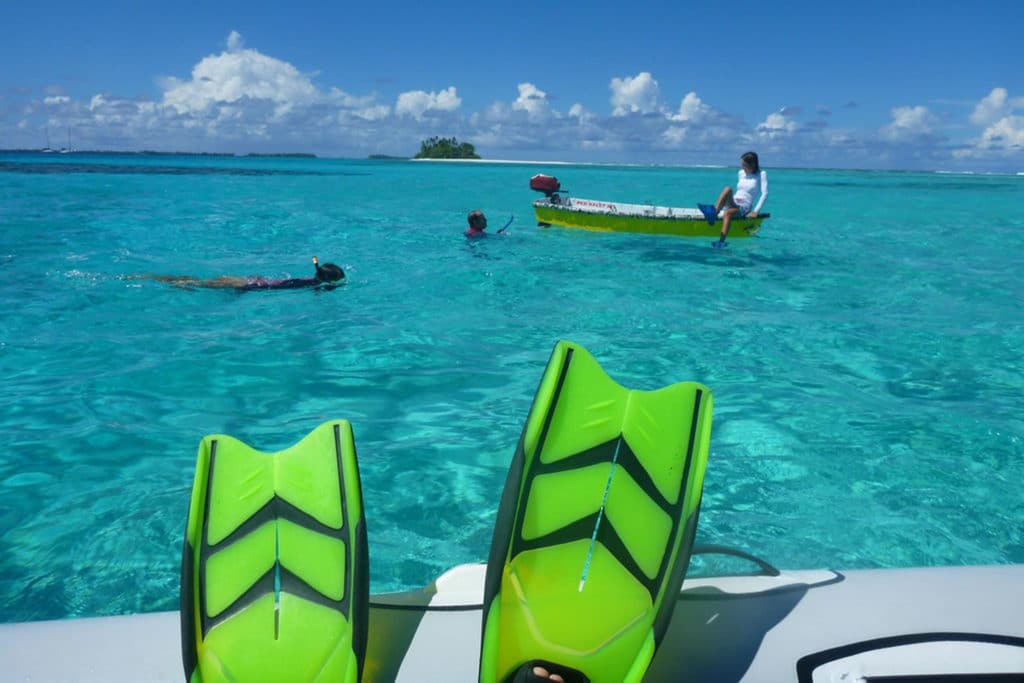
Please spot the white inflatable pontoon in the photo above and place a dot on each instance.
(893, 625)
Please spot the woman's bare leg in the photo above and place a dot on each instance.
(724, 199)
(727, 220)
(176, 280)
(188, 281)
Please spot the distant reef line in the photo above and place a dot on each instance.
(223, 155)
(153, 153)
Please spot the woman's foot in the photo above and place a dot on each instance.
(538, 674)
(542, 671)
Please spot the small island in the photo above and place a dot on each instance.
(446, 148)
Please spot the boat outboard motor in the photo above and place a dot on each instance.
(547, 184)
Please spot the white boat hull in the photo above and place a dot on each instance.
(799, 626)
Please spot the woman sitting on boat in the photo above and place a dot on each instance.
(737, 204)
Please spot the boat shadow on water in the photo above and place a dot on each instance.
(696, 251)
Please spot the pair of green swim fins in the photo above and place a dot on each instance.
(592, 540)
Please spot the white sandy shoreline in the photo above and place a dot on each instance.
(507, 161)
(562, 163)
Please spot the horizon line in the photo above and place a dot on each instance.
(58, 153)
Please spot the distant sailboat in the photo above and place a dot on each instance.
(47, 149)
(65, 150)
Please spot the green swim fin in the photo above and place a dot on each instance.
(595, 526)
(274, 575)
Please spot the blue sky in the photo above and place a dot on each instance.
(889, 84)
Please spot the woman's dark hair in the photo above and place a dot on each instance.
(329, 272)
(751, 159)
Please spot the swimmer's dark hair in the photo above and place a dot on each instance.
(476, 218)
(751, 159)
(328, 272)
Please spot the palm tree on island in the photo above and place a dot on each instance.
(446, 148)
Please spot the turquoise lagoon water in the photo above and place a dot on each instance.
(864, 352)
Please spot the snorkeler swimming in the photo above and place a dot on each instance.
(478, 224)
(328, 276)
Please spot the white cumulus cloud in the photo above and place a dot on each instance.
(497, 112)
(106, 110)
(995, 106)
(1003, 125)
(236, 74)
(777, 125)
(372, 113)
(637, 94)
(1006, 133)
(235, 42)
(909, 122)
(691, 110)
(532, 100)
(674, 136)
(416, 103)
